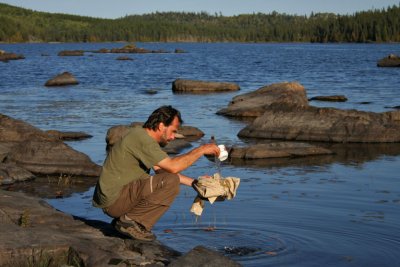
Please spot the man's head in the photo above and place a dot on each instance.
(164, 122)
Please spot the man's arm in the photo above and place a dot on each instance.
(182, 162)
(185, 180)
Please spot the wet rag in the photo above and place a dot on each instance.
(213, 188)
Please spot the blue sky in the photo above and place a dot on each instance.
(120, 8)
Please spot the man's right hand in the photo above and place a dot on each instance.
(210, 149)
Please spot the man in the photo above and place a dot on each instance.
(127, 192)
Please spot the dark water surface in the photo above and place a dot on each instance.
(341, 210)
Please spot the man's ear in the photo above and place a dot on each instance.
(161, 126)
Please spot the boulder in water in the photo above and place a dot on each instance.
(253, 104)
(194, 86)
(62, 79)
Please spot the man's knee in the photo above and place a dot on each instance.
(173, 183)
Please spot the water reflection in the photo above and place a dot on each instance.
(52, 187)
(347, 154)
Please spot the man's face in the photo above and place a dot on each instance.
(168, 132)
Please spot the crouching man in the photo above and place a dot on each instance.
(127, 192)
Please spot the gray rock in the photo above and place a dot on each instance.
(52, 158)
(5, 148)
(10, 173)
(201, 256)
(34, 234)
(324, 124)
(253, 104)
(129, 49)
(277, 150)
(114, 134)
(124, 58)
(62, 79)
(31, 229)
(151, 91)
(5, 57)
(389, 61)
(68, 136)
(194, 86)
(13, 130)
(331, 98)
(176, 146)
(65, 53)
(40, 152)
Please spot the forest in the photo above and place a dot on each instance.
(24, 25)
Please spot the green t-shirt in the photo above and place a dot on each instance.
(129, 159)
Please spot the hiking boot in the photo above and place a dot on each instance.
(133, 229)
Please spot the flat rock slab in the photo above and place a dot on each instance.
(66, 53)
(277, 150)
(195, 86)
(331, 98)
(30, 228)
(325, 125)
(124, 58)
(32, 233)
(68, 136)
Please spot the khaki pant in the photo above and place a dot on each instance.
(146, 200)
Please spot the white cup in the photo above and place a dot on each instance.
(223, 153)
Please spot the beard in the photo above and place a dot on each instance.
(164, 140)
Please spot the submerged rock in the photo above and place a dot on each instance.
(129, 49)
(324, 124)
(201, 256)
(62, 79)
(194, 86)
(65, 53)
(253, 104)
(124, 58)
(331, 98)
(5, 57)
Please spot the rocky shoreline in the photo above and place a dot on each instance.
(279, 116)
(32, 233)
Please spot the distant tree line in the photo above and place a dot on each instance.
(24, 25)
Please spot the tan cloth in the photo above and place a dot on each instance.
(213, 188)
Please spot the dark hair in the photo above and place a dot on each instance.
(164, 114)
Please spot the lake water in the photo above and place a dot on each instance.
(341, 210)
